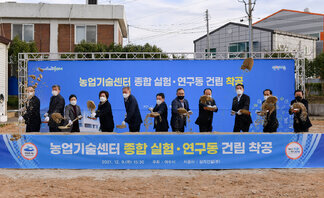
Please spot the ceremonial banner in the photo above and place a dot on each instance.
(171, 151)
(146, 78)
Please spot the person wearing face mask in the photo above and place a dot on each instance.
(31, 115)
(57, 104)
(205, 118)
(73, 111)
(161, 122)
(178, 121)
(133, 115)
(271, 122)
(241, 101)
(299, 125)
(104, 113)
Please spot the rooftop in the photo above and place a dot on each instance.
(64, 11)
(286, 10)
(4, 40)
(260, 28)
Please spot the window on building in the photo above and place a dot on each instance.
(86, 33)
(92, 2)
(212, 51)
(24, 32)
(241, 46)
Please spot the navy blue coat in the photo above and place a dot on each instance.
(205, 116)
(161, 124)
(299, 125)
(32, 115)
(133, 117)
(244, 103)
(106, 118)
(178, 121)
(57, 104)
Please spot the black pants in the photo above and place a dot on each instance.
(54, 129)
(75, 127)
(269, 129)
(178, 129)
(238, 127)
(205, 128)
(107, 130)
(161, 130)
(134, 128)
(300, 130)
(32, 128)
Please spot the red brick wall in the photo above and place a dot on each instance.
(6, 31)
(105, 34)
(120, 38)
(42, 37)
(65, 39)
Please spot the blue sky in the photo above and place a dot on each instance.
(174, 24)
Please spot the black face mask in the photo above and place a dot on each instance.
(298, 98)
(180, 97)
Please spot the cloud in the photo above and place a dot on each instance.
(174, 24)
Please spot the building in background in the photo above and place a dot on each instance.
(234, 37)
(59, 27)
(298, 22)
(4, 45)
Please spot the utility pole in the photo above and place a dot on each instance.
(249, 7)
(250, 29)
(128, 39)
(207, 24)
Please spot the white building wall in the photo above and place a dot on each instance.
(4, 79)
(291, 43)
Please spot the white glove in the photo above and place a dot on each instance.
(190, 112)
(150, 109)
(124, 123)
(93, 115)
(239, 112)
(20, 118)
(232, 113)
(80, 117)
(46, 115)
(70, 123)
(46, 119)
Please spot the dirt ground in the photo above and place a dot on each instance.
(162, 183)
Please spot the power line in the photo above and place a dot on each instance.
(184, 31)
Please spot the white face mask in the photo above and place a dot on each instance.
(54, 93)
(73, 102)
(30, 94)
(125, 95)
(158, 102)
(239, 92)
(103, 99)
(266, 97)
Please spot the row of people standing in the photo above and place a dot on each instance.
(133, 117)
